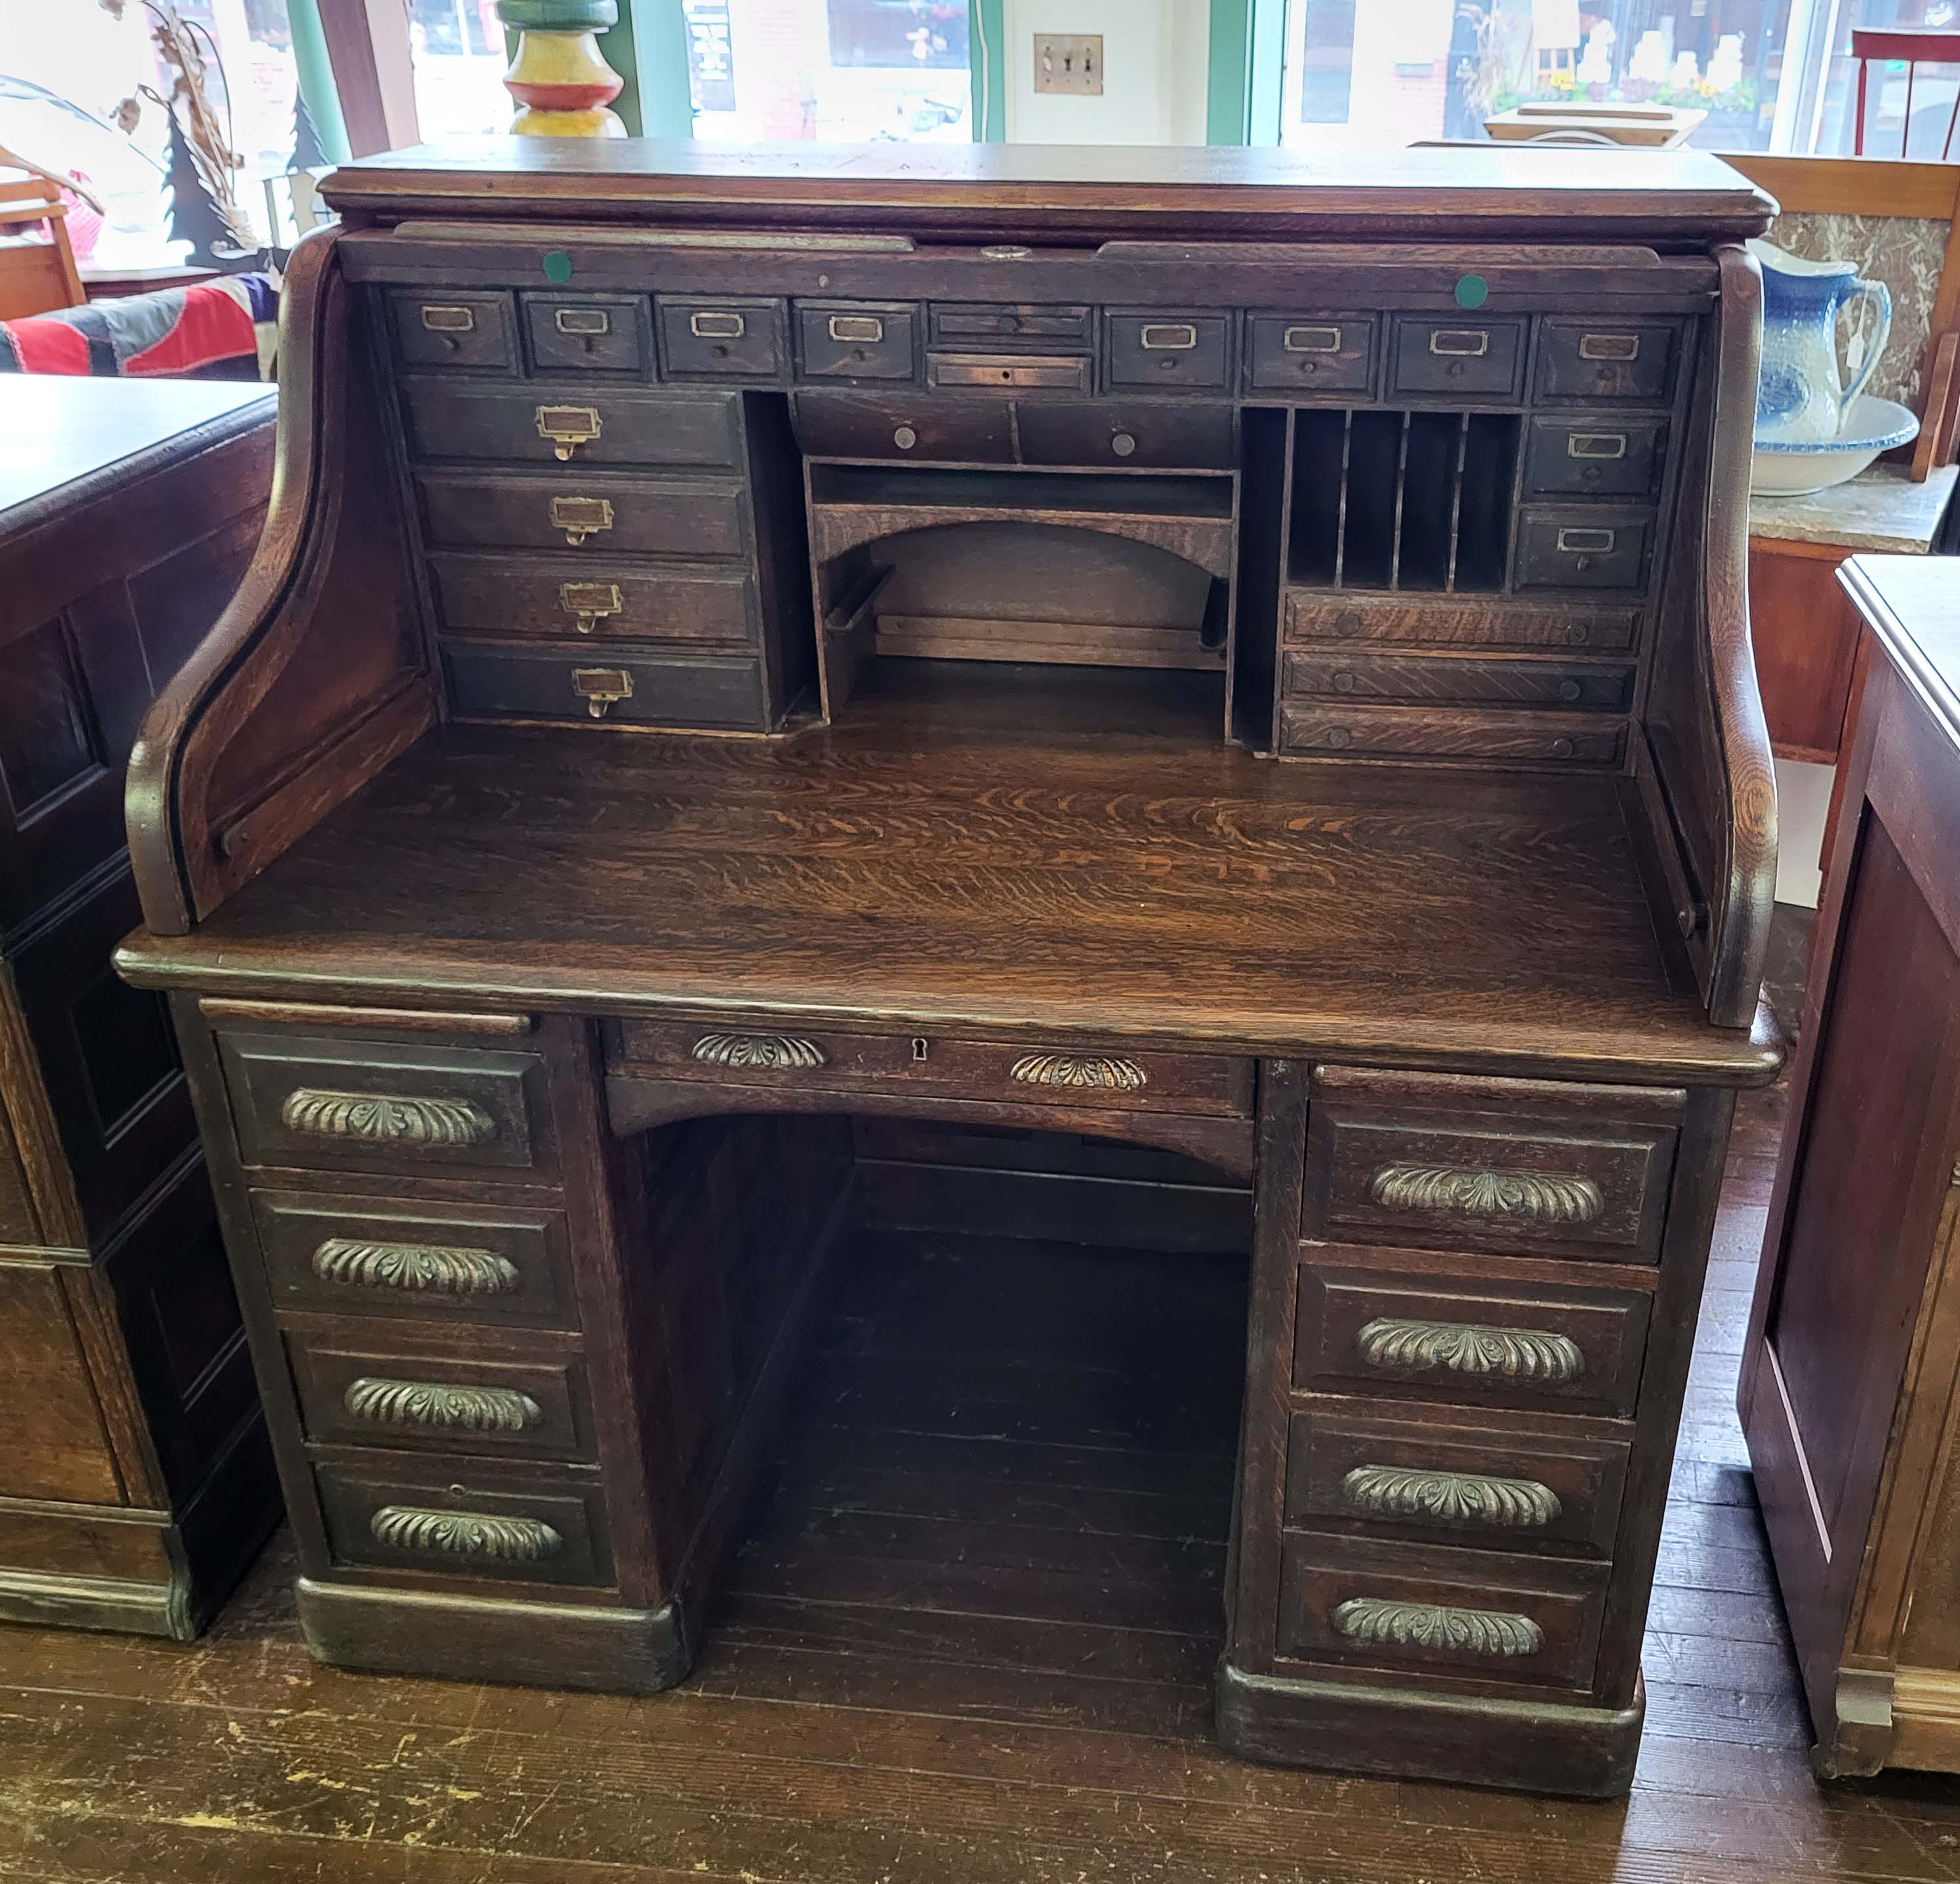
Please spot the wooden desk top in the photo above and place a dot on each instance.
(60, 430)
(960, 852)
(1492, 193)
(1909, 602)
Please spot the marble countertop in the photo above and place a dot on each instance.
(1880, 509)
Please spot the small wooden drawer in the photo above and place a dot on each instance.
(504, 597)
(605, 426)
(1463, 357)
(1616, 359)
(464, 1518)
(589, 333)
(1533, 737)
(1310, 353)
(778, 1054)
(1595, 457)
(355, 1392)
(1195, 437)
(605, 516)
(1440, 1162)
(587, 684)
(1402, 1473)
(1604, 687)
(444, 327)
(905, 426)
(857, 340)
(1168, 352)
(1356, 1603)
(735, 339)
(384, 1256)
(1313, 616)
(374, 1106)
(1361, 1330)
(971, 324)
(1006, 373)
(1572, 547)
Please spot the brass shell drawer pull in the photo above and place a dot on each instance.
(1079, 1070)
(480, 1534)
(1449, 1498)
(440, 1408)
(387, 1118)
(1512, 1353)
(591, 602)
(1540, 1197)
(415, 1268)
(580, 517)
(566, 428)
(1376, 1621)
(759, 1052)
(601, 688)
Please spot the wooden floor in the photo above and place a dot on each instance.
(969, 1642)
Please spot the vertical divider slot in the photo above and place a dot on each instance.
(1483, 516)
(1320, 444)
(1430, 467)
(1373, 488)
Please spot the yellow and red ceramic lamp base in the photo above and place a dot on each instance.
(559, 76)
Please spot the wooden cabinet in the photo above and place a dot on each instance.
(1848, 1394)
(135, 1482)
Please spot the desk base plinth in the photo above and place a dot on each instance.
(493, 1639)
(1575, 1751)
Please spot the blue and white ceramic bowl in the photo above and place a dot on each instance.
(1794, 468)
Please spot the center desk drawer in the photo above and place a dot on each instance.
(1362, 1330)
(795, 1058)
(1197, 438)
(467, 1518)
(1514, 1620)
(1484, 1482)
(356, 1392)
(393, 1256)
(614, 516)
(365, 1106)
(446, 419)
(504, 598)
(1522, 1166)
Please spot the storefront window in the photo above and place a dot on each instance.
(1765, 74)
(457, 48)
(75, 81)
(848, 71)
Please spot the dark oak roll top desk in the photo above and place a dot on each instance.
(1185, 648)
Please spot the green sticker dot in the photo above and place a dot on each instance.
(1472, 290)
(558, 268)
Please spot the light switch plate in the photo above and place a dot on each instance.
(1069, 62)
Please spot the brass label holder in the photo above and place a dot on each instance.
(580, 517)
(591, 602)
(600, 687)
(565, 427)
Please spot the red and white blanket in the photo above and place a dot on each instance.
(175, 331)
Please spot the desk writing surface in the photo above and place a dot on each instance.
(986, 851)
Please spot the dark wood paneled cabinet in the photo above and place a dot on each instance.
(136, 1480)
(754, 658)
(1848, 1391)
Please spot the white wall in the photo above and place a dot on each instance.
(1803, 795)
(1155, 55)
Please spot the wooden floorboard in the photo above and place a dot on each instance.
(968, 1640)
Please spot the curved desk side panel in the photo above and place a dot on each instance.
(315, 676)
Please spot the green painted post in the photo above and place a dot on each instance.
(987, 68)
(315, 77)
(656, 31)
(1243, 93)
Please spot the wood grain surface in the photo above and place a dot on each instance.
(1082, 860)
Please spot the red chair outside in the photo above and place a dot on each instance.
(1916, 49)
